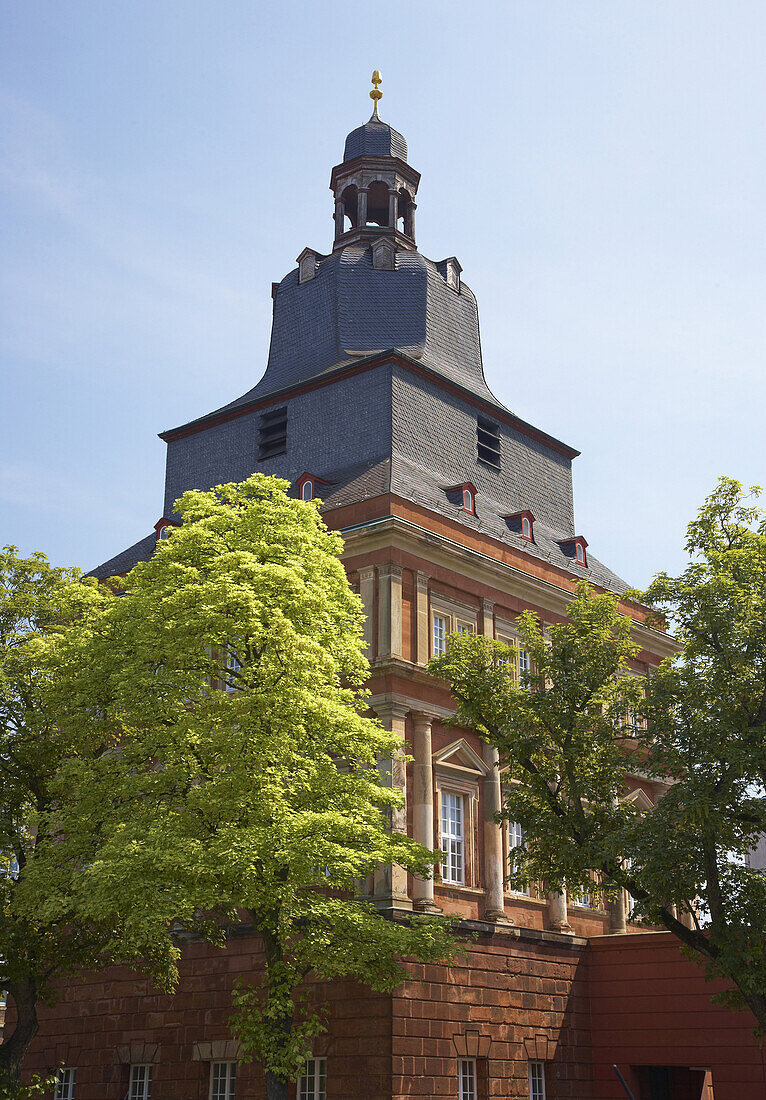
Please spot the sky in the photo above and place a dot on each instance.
(596, 167)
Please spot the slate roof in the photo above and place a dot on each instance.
(350, 310)
(375, 139)
(124, 561)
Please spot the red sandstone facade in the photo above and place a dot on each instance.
(551, 991)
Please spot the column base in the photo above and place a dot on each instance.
(564, 927)
(393, 904)
(426, 907)
(496, 916)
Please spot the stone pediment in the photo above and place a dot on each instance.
(460, 757)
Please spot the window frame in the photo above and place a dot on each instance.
(229, 1081)
(308, 484)
(448, 779)
(145, 1086)
(469, 503)
(65, 1084)
(314, 1080)
(508, 633)
(457, 617)
(537, 1084)
(514, 827)
(466, 1076)
(453, 838)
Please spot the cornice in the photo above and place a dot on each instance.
(409, 537)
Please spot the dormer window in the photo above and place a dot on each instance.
(464, 496)
(575, 548)
(309, 485)
(523, 523)
(163, 527)
(450, 269)
(307, 265)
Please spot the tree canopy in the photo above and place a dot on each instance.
(39, 603)
(243, 781)
(579, 724)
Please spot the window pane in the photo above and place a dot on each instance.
(536, 1081)
(311, 1085)
(223, 1076)
(140, 1082)
(453, 869)
(467, 1079)
(515, 840)
(65, 1080)
(440, 635)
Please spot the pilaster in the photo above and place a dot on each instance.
(422, 631)
(391, 880)
(423, 806)
(390, 610)
(494, 873)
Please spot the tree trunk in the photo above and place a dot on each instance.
(13, 1049)
(276, 1087)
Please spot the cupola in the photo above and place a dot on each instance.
(374, 187)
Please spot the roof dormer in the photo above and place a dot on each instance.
(307, 264)
(464, 496)
(576, 550)
(450, 269)
(163, 527)
(523, 523)
(308, 485)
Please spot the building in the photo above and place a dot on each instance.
(456, 515)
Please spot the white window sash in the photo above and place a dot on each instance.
(466, 1079)
(65, 1083)
(140, 1082)
(536, 1081)
(312, 1084)
(453, 837)
(223, 1080)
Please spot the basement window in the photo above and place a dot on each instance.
(272, 433)
(488, 442)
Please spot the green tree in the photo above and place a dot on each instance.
(38, 604)
(579, 723)
(244, 781)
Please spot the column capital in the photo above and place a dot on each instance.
(421, 581)
(390, 569)
(488, 606)
(423, 719)
(387, 709)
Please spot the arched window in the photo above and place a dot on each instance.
(580, 554)
(350, 198)
(467, 500)
(377, 203)
(307, 490)
(404, 212)
(526, 527)
(164, 531)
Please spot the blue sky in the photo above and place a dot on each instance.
(597, 168)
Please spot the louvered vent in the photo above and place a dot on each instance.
(272, 435)
(488, 442)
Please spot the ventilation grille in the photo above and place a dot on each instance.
(272, 434)
(488, 442)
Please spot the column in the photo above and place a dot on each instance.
(392, 209)
(423, 807)
(391, 880)
(557, 912)
(367, 595)
(615, 908)
(409, 220)
(494, 872)
(488, 618)
(361, 207)
(390, 610)
(339, 215)
(423, 631)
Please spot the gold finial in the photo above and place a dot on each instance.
(376, 93)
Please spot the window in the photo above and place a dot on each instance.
(580, 554)
(525, 664)
(537, 1081)
(464, 628)
(307, 491)
(233, 665)
(466, 1079)
(223, 1079)
(515, 841)
(488, 442)
(467, 500)
(65, 1079)
(140, 1083)
(521, 664)
(272, 434)
(164, 531)
(312, 1082)
(583, 899)
(440, 635)
(526, 528)
(453, 837)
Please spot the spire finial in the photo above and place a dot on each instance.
(376, 93)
